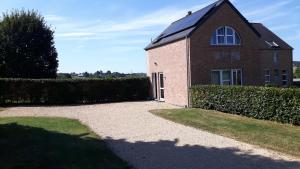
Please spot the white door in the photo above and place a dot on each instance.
(161, 87)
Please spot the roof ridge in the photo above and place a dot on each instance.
(214, 3)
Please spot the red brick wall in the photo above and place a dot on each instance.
(205, 57)
(171, 59)
(285, 62)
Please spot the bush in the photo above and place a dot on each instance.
(30, 91)
(267, 103)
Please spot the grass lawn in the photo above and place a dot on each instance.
(48, 143)
(280, 137)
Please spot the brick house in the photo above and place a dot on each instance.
(216, 45)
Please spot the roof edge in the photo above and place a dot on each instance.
(289, 46)
(163, 44)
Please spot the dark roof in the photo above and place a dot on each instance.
(172, 38)
(186, 25)
(268, 38)
(186, 22)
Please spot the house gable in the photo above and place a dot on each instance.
(229, 4)
(225, 15)
(205, 57)
(184, 27)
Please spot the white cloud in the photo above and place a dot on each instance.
(269, 10)
(52, 18)
(80, 47)
(75, 34)
(148, 24)
(270, 17)
(295, 37)
(283, 27)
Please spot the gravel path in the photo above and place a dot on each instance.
(150, 142)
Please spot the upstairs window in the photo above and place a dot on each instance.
(267, 76)
(284, 78)
(225, 36)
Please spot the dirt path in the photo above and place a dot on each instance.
(150, 142)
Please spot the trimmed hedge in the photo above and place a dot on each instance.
(31, 91)
(267, 103)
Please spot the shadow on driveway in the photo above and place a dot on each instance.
(166, 155)
(35, 148)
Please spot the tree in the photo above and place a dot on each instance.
(297, 72)
(98, 73)
(27, 47)
(86, 74)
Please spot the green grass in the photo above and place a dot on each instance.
(48, 143)
(280, 137)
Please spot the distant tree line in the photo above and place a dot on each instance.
(99, 74)
(297, 72)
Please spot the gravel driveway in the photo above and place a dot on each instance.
(150, 142)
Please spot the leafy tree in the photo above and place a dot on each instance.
(26, 46)
(64, 76)
(297, 72)
(108, 72)
(98, 73)
(86, 74)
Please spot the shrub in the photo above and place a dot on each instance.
(48, 91)
(267, 103)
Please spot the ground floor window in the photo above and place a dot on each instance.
(284, 78)
(236, 77)
(276, 77)
(161, 87)
(226, 77)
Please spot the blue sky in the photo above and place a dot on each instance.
(93, 35)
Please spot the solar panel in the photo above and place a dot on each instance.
(186, 22)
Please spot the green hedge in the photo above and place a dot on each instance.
(29, 91)
(267, 103)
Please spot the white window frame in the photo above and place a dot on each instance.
(236, 70)
(220, 35)
(286, 77)
(220, 71)
(162, 99)
(234, 34)
(267, 76)
(227, 80)
(276, 76)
